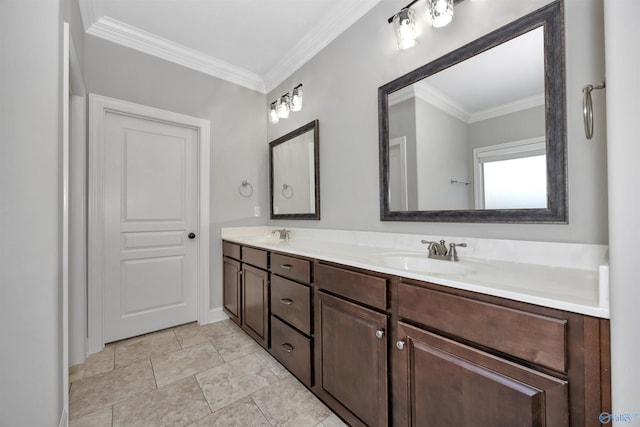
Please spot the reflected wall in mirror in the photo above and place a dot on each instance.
(295, 174)
(479, 134)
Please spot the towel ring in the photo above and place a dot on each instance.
(287, 191)
(245, 189)
(587, 108)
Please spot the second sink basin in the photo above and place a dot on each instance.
(420, 263)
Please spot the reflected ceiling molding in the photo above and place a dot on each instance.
(135, 38)
(438, 99)
(509, 107)
(341, 18)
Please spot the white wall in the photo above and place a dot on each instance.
(239, 150)
(622, 95)
(30, 203)
(341, 85)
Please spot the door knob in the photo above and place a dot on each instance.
(192, 235)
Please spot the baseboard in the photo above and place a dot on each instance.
(217, 315)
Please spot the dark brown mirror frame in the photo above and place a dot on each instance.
(551, 17)
(309, 127)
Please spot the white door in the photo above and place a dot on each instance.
(150, 213)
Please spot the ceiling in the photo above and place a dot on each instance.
(252, 43)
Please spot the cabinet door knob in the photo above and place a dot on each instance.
(380, 334)
(287, 347)
(286, 301)
(400, 345)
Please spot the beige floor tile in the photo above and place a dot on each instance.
(332, 421)
(174, 366)
(192, 333)
(101, 418)
(234, 380)
(97, 363)
(235, 344)
(241, 413)
(99, 391)
(289, 403)
(144, 347)
(177, 404)
(275, 366)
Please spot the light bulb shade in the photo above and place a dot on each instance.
(273, 113)
(296, 98)
(440, 11)
(404, 24)
(284, 106)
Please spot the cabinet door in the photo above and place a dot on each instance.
(351, 360)
(445, 383)
(255, 303)
(231, 289)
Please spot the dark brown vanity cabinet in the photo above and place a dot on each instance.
(246, 289)
(465, 359)
(291, 332)
(351, 344)
(232, 281)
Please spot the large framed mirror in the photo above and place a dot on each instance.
(294, 174)
(479, 135)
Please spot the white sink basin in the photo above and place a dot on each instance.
(420, 263)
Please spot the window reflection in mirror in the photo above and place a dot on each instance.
(437, 124)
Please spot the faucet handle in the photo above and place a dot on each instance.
(453, 254)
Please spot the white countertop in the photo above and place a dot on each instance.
(566, 276)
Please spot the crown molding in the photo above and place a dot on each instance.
(510, 107)
(341, 18)
(433, 96)
(135, 38)
(89, 11)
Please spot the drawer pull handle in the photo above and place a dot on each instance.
(380, 334)
(286, 301)
(287, 347)
(286, 266)
(400, 345)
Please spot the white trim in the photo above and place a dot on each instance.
(401, 141)
(438, 99)
(98, 107)
(217, 315)
(64, 271)
(317, 38)
(151, 44)
(64, 421)
(510, 107)
(339, 20)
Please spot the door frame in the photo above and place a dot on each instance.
(98, 107)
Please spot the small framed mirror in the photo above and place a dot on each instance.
(479, 134)
(294, 174)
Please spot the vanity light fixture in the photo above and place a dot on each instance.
(273, 113)
(281, 107)
(404, 24)
(440, 13)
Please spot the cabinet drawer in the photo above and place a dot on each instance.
(528, 336)
(291, 268)
(292, 349)
(256, 257)
(231, 250)
(369, 290)
(291, 302)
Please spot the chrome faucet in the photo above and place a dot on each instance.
(438, 250)
(284, 233)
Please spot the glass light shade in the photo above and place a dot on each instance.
(404, 24)
(284, 106)
(440, 11)
(296, 98)
(273, 113)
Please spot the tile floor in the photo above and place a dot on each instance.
(190, 375)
